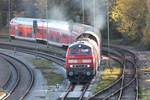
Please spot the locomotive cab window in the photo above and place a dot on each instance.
(80, 50)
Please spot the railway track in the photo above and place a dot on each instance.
(53, 57)
(126, 87)
(106, 91)
(35, 47)
(72, 90)
(49, 55)
(120, 88)
(130, 83)
(20, 83)
(59, 59)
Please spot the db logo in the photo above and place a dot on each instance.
(79, 61)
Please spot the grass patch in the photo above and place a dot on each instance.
(103, 84)
(4, 29)
(4, 36)
(146, 69)
(109, 74)
(2, 93)
(53, 78)
(115, 41)
(108, 77)
(55, 49)
(4, 32)
(42, 63)
(46, 68)
(143, 93)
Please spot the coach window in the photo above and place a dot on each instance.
(41, 31)
(76, 50)
(64, 38)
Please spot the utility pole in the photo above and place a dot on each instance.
(35, 28)
(94, 14)
(47, 21)
(83, 11)
(9, 17)
(108, 28)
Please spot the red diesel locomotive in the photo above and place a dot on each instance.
(83, 58)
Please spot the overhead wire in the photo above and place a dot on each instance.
(94, 14)
(108, 29)
(83, 14)
(47, 21)
(9, 17)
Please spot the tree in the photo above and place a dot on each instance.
(129, 17)
(146, 39)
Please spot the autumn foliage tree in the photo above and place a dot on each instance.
(146, 39)
(129, 18)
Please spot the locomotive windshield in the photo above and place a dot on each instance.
(80, 50)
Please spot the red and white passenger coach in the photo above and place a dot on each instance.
(51, 31)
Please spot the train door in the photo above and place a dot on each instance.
(29, 31)
(54, 36)
(35, 28)
(41, 31)
(25, 31)
(65, 38)
(18, 30)
(12, 30)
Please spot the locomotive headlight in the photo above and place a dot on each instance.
(70, 73)
(88, 66)
(86, 61)
(88, 73)
(71, 66)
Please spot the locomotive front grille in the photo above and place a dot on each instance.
(80, 66)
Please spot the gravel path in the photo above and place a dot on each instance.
(40, 90)
(4, 72)
(31, 44)
(144, 78)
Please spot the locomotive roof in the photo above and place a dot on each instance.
(84, 42)
(63, 25)
(89, 33)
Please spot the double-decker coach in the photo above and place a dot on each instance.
(52, 31)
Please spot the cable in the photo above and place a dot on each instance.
(94, 14)
(47, 20)
(108, 31)
(83, 12)
(9, 18)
